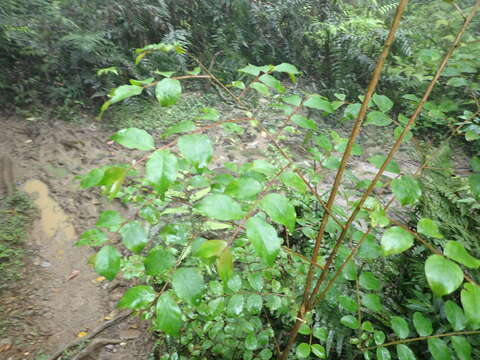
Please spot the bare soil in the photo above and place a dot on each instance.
(60, 298)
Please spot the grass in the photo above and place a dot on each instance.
(16, 214)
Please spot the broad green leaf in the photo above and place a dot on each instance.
(261, 88)
(251, 342)
(184, 126)
(158, 262)
(235, 283)
(304, 122)
(382, 102)
(319, 351)
(225, 265)
(196, 148)
(324, 142)
(243, 188)
(347, 303)
(455, 251)
(92, 178)
(379, 217)
(92, 237)
(378, 160)
(286, 68)
(455, 315)
(235, 304)
(141, 82)
(378, 118)
(406, 190)
(251, 69)
(113, 180)
(211, 249)
(367, 326)
(475, 162)
(263, 167)
(439, 349)
(369, 281)
(350, 321)
(422, 324)
(220, 207)
(134, 236)
(320, 333)
(351, 111)
(474, 181)
(331, 163)
(398, 131)
(107, 262)
(319, 103)
(254, 303)
(133, 138)
(372, 302)
(168, 316)
(304, 329)
(405, 353)
(294, 100)
(303, 350)
(428, 227)
(443, 275)
(399, 326)
(137, 298)
(168, 91)
(264, 239)
(396, 240)
(125, 91)
(269, 80)
(110, 220)
(379, 337)
(470, 297)
(280, 210)
(293, 181)
(188, 285)
(161, 170)
(256, 280)
(462, 347)
(370, 249)
(383, 353)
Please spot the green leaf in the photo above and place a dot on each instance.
(399, 326)
(113, 180)
(272, 82)
(133, 138)
(304, 122)
(323, 141)
(372, 302)
(251, 342)
(280, 210)
(350, 321)
(188, 285)
(331, 163)
(379, 337)
(474, 181)
(303, 350)
(351, 111)
(382, 102)
(263, 167)
(196, 148)
(264, 239)
(254, 303)
(235, 305)
(320, 333)
(455, 251)
(319, 351)
(455, 316)
(256, 281)
(383, 353)
(293, 181)
(286, 68)
(161, 170)
(184, 126)
(406, 190)
(125, 91)
(378, 118)
(92, 178)
(422, 324)
(396, 240)
(168, 91)
(439, 349)
(369, 281)
(251, 69)
(370, 249)
(235, 283)
(220, 207)
(428, 227)
(107, 262)
(398, 131)
(462, 347)
(378, 160)
(110, 220)
(225, 265)
(262, 89)
(158, 262)
(168, 316)
(134, 236)
(405, 353)
(211, 249)
(137, 298)
(304, 329)
(475, 162)
(443, 275)
(470, 297)
(243, 188)
(92, 237)
(294, 100)
(319, 103)
(347, 303)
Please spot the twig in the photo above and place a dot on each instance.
(93, 346)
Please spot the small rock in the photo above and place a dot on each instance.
(109, 347)
(45, 264)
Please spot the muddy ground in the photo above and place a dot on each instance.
(60, 298)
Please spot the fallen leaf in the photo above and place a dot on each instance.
(82, 334)
(73, 275)
(100, 279)
(5, 347)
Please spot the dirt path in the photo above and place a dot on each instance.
(60, 298)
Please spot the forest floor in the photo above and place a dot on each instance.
(59, 298)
